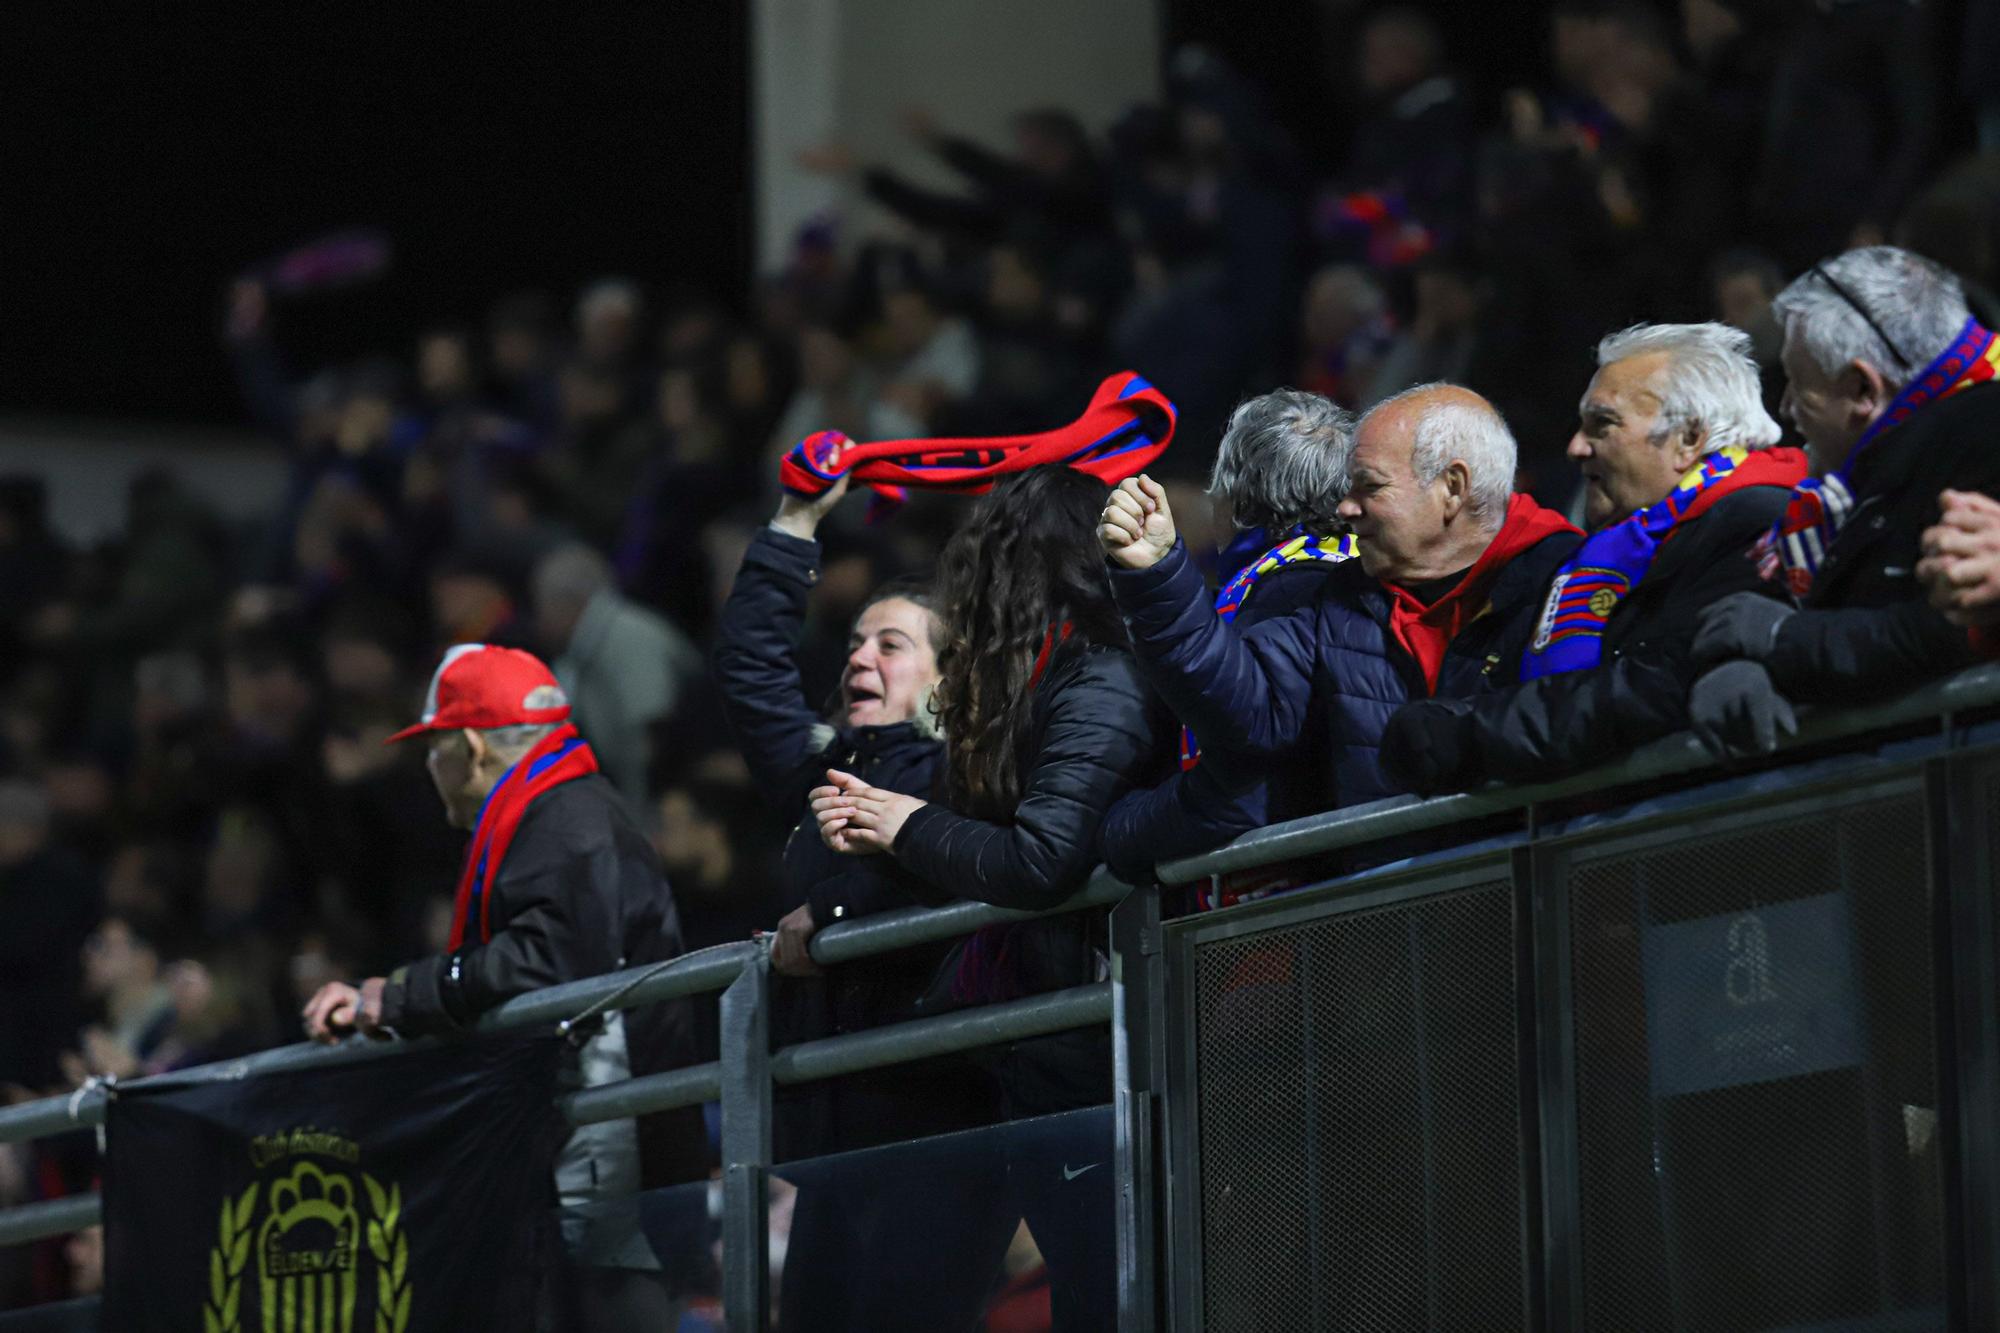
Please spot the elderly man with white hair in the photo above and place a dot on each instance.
(1892, 382)
(1440, 600)
(1678, 476)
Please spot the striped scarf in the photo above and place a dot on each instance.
(1127, 425)
(1820, 506)
(1593, 581)
(561, 756)
(1298, 548)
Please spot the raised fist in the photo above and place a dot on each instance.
(1137, 527)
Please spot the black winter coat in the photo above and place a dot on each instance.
(1095, 732)
(1867, 629)
(579, 894)
(1555, 724)
(1226, 794)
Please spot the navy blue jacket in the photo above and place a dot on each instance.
(1255, 691)
(1227, 793)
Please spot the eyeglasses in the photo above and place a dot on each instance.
(1819, 271)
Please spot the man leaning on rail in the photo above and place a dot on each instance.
(1893, 384)
(559, 884)
(1678, 481)
(1440, 601)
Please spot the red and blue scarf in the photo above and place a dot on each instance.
(1298, 547)
(1128, 424)
(1612, 561)
(561, 756)
(1820, 506)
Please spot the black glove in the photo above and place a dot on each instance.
(1426, 748)
(1743, 624)
(1737, 712)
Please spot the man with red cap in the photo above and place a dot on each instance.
(559, 884)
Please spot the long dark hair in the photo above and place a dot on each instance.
(1027, 563)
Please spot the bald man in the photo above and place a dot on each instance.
(1441, 601)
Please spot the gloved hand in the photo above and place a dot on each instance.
(1743, 624)
(1426, 749)
(1737, 712)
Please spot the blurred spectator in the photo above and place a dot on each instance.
(837, 392)
(1345, 332)
(1742, 285)
(1049, 182)
(1408, 169)
(50, 906)
(623, 667)
(1851, 127)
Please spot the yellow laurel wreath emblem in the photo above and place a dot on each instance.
(226, 1262)
(391, 1249)
(222, 1312)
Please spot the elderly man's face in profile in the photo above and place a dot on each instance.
(449, 761)
(1624, 470)
(1831, 411)
(1396, 518)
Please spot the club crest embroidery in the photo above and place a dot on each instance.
(327, 1243)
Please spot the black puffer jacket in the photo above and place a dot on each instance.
(1866, 628)
(579, 894)
(789, 746)
(1095, 733)
(1555, 724)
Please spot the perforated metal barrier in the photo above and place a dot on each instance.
(1756, 1089)
(1704, 1095)
(1359, 1104)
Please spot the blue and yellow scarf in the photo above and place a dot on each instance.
(1298, 547)
(1612, 561)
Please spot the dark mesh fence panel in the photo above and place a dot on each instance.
(1756, 1083)
(1359, 1121)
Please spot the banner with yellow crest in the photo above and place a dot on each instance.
(400, 1194)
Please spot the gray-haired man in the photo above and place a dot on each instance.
(1892, 382)
(1678, 480)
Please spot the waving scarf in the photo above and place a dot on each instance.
(1820, 506)
(1127, 425)
(1592, 582)
(561, 756)
(1298, 547)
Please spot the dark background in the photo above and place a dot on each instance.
(157, 153)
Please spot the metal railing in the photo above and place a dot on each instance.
(1132, 1002)
(741, 1080)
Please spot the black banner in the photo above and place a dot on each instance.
(403, 1194)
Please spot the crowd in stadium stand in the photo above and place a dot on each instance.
(200, 824)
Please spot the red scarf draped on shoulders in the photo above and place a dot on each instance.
(1426, 631)
(561, 756)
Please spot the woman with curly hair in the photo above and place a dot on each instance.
(1047, 721)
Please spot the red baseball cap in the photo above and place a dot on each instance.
(480, 685)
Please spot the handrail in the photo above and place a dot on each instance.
(1671, 756)
(708, 969)
(829, 1057)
